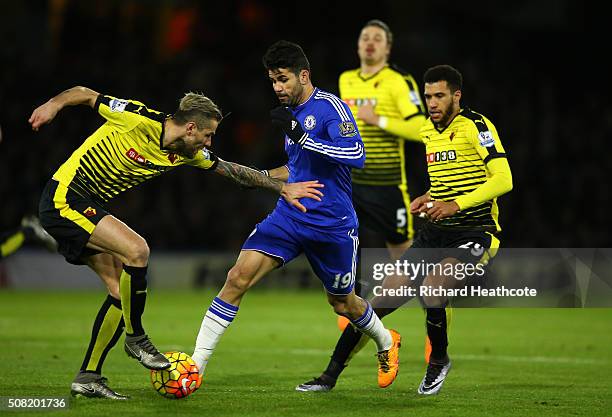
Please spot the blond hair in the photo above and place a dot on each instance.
(196, 107)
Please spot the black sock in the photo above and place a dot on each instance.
(436, 330)
(344, 347)
(107, 328)
(133, 288)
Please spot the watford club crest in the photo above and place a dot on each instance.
(172, 157)
(89, 212)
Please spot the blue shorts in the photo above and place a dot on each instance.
(331, 254)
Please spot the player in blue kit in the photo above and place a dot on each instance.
(322, 143)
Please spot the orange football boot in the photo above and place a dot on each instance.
(388, 361)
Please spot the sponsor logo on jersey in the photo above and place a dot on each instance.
(442, 156)
(135, 156)
(310, 122)
(360, 101)
(141, 160)
(347, 129)
(89, 212)
(486, 139)
(117, 105)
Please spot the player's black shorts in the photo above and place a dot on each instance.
(474, 246)
(70, 218)
(384, 209)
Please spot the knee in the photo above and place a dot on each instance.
(138, 253)
(238, 279)
(113, 289)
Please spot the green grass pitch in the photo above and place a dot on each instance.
(524, 362)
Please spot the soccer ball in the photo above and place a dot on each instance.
(178, 381)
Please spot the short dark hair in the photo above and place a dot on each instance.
(451, 75)
(380, 24)
(285, 54)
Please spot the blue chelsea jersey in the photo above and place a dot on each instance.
(333, 146)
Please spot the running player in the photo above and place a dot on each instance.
(321, 140)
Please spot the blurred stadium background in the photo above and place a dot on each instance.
(523, 64)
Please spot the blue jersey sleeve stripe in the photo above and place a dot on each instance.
(348, 155)
(356, 146)
(336, 103)
(332, 155)
(339, 103)
(355, 150)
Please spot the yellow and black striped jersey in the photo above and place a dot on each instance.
(396, 96)
(123, 152)
(457, 158)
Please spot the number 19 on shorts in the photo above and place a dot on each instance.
(342, 281)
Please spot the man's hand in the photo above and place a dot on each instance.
(437, 210)
(283, 117)
(366, 113)
(292, 192)
(43, 114)
(417, 206)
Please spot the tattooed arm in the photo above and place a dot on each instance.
(249, 177)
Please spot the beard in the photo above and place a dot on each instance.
(181, 148)
(295, 98)
(446, 116)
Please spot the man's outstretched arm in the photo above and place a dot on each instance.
(249, 177)
(46, 113)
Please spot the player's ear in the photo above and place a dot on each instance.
(304, 76)
(191, 128)
(457, 96)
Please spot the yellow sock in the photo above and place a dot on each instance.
(11, 244)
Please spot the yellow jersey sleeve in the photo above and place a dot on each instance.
(125, 115)
(408, 103)
(407, 98)
(499, 182)
(485, 140)
(204, 159)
